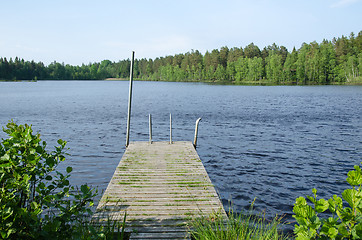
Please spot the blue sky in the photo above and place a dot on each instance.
(84, 31)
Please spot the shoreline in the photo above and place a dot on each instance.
(246, 83)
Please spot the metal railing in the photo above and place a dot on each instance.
(150, 130)
(150, 127)
(196, 131)
(150, 116)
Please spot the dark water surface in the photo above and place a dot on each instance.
(274, 143)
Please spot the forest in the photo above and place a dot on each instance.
(336, 61)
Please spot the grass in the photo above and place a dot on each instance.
(238, 226)
(102, 226)
(92, 230)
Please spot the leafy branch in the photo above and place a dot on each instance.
(35, 200)
(345, 222)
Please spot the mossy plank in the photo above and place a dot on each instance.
(161, 186)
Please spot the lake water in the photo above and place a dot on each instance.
(274, 143)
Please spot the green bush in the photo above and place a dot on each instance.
(37, 202)
(344, 223)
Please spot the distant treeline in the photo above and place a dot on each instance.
(338, 61)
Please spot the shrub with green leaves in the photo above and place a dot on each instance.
(345, 221)
(36, 201)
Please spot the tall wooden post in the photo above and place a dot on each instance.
(129, 99)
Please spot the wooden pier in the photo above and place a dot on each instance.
(161, 186)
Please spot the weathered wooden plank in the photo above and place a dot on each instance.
(160, 235)
(162, 213)
(161, 187)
